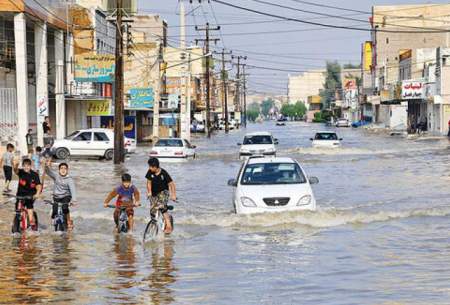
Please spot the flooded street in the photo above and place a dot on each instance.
(381, 234)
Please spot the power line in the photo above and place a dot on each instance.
(323, 24)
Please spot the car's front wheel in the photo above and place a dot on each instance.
(109, 154)
(62, 153)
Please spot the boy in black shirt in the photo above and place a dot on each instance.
(160, 187)
(29, 186)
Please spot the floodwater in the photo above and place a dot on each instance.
(381, 234)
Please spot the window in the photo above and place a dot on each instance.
(169, 143)
(70, 137)
(326, 136)
(258, 140)
(100, 136)
(84, 136)
(272, 173)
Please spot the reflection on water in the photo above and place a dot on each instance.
(163, 272)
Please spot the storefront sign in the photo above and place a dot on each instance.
(350, 92)
(367, 55)
(412, 90)
(98, 68)
(98, 108)
(141, 98)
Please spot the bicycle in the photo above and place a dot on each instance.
(21, 222)
(156, 223)
(122, 226)
(60, 221)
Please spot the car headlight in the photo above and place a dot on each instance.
(305, 200)
(247, 202)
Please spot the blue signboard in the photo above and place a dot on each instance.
(141, 98)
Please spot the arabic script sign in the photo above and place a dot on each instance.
(141, 98)
(412, 90)
(98, 108)
(97, 68)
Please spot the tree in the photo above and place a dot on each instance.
(352, 66)
(266, 105)
(299, 109)
(253, 112)
(332, 82)
(287, 110)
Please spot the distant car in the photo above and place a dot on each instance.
(258, 143)
(326, 139)
(231, 125)
(173, 148)
(94, 142)
(360, 123)
(343, 123)
(272, 185)
(199, 127)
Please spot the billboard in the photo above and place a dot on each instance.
(412, 90)
(96, 68)
(98, 107)
(141, 98)
(367, 55)
(350, 92)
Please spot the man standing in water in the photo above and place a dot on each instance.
(160, 187)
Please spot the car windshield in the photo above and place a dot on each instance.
(73, 134)
(326, 136)
(248, 140)
(272, 173)
(169, 143)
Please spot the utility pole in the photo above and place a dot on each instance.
(238, 76)
(225, 89)
(118, 90)
(245, 96)
(207, 54)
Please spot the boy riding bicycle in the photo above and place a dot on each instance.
(29, 186)
(63, 189)
(160, 187)
(127, 195)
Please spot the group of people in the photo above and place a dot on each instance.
(160, 187)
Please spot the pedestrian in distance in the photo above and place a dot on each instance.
(36, 157)
(160, 188)
(128, 196)
(29, 138)
(29, 186)
(7, 162)
(46, 127)
(448, 134)
(63, 189)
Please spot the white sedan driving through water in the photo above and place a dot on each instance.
(258, 143)
(272, 185)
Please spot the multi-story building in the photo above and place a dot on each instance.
(304, 85)
(33, 37)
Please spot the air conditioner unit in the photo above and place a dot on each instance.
(130, 6)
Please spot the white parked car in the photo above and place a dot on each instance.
(343, 123)
(94, 142)
(231, 125)
(173, 148)
(272, 185)
(326, 139)
(258, 143)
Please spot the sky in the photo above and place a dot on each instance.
(294, 46)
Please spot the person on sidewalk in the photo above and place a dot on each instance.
(29, 138)
(7, 163)
(46, 127)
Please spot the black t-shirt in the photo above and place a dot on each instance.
(45, 127)
(159, 182)
(27, 183)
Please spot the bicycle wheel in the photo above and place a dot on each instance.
(16, 225)
(151, 230)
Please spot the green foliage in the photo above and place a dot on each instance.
(252, 114)
(266, 105)
(297, 110)
(352, 66)
(332, 82)
(322, 116)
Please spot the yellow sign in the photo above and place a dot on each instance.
(98, 108)
(94, 68)
(367, 55)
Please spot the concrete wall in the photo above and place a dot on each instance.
(306, 84)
